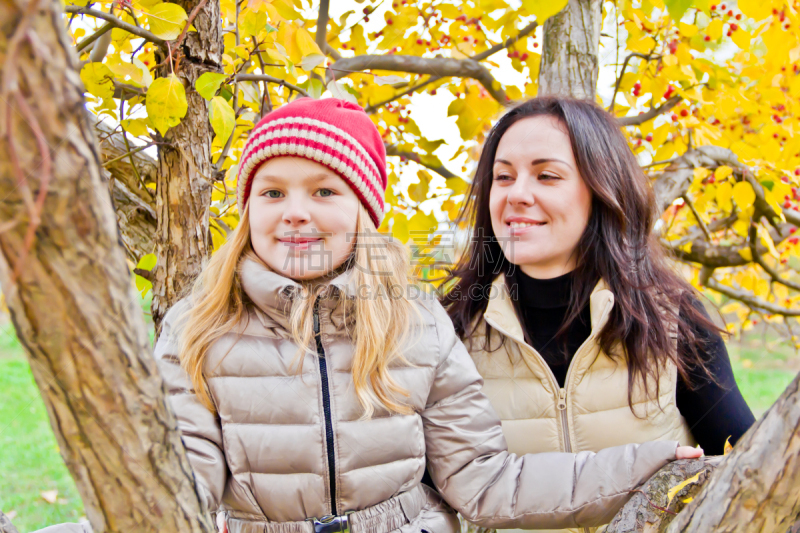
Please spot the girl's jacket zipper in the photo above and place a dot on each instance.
(326, 407)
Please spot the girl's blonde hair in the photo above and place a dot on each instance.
(381, 309)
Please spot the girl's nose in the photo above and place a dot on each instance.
(297, 212)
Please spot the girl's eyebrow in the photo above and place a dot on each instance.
(537, 161)
(266, 177)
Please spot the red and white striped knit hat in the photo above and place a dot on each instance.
(334, 133)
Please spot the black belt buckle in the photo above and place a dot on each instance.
(332, 524)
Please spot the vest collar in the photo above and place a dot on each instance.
(501, 315)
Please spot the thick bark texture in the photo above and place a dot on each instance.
(570, 61)
(70, 294)
(663, 496)
(185, 172)
(757, 486)
(134, 203)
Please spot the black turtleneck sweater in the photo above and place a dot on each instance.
(713, 410)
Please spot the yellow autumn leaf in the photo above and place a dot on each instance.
(222, 117)
(544, 9)
(756, 9)
(420, 226)
(306, 44)
(727, 448)
(166, 20)
(98, 80)
(766, 239)
(741, 38)
(724, 196)
(746, 253)
(743, 194)
(166, 103)
(286, 38)
(677, 488)
(400, 228)
(418, 192)
(722, 172)
(687, 30)
(714, 29)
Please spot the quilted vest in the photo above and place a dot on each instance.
(591, 411)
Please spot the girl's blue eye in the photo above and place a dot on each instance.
(273, 194)
(325, 192)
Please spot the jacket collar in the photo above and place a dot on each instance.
(501, 315)
(273, 293)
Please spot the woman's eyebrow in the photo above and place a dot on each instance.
(537, 161)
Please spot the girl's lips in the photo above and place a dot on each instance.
(300, 243)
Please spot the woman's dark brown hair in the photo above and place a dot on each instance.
(652, 302)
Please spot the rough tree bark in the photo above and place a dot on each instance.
(570, 61)
(185, 172)
(69, 291)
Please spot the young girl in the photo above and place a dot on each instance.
(311, 387)
(584, 334)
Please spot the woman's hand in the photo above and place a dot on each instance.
(222, 527)
(688, 452)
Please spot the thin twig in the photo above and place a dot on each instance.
(93, 37)
(118, 23)
(697, 216)
(648, 57)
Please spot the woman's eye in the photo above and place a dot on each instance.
(325, 192)
(502, 177)
(273, 194)
(548, 177)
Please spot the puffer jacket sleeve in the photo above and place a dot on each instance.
(200, 429)
(470, 465)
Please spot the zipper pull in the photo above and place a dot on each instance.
(562, 399)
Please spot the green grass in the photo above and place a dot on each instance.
(30, 462)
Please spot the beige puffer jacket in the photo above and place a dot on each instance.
(287, 446)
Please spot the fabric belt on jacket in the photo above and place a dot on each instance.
(381, 518)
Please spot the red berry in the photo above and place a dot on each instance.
(366, 19)
(797, 172)
(707, 38)
(792, 230)
(389, 22)
(674, 116)
(730, 13)
(466, 38)
(433, 92)
(785, 179)
(738, 16)
(713, 7)
(711, 179)
(734, 27)
(649, 138)
(536, 45)
(684, 112)
(420, 41)
(787, 204)
(524, 57)
(365, 11)
(722, 7)
(729, 33)
(637, 85)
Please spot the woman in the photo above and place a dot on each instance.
(584, 335)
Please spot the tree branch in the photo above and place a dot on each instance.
(653, 113)
(524, 32)
(93, 37)
(437, 66)
(392, 150)
(117, 23)
(619, 79)
(373, 108)
(270, 79)
(322, 24)
(749, 299)
(674, 181)
(758, 258)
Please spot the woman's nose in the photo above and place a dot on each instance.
(521, 192)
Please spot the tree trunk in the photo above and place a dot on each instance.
(757, 486)
(570, 61)
(70, 293)
(185, 172)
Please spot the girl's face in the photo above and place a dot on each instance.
(539, 203)
(302, 217)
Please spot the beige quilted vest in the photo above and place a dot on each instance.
(591, 412)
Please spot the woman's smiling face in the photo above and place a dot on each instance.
(302, 217)
(538, 201)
